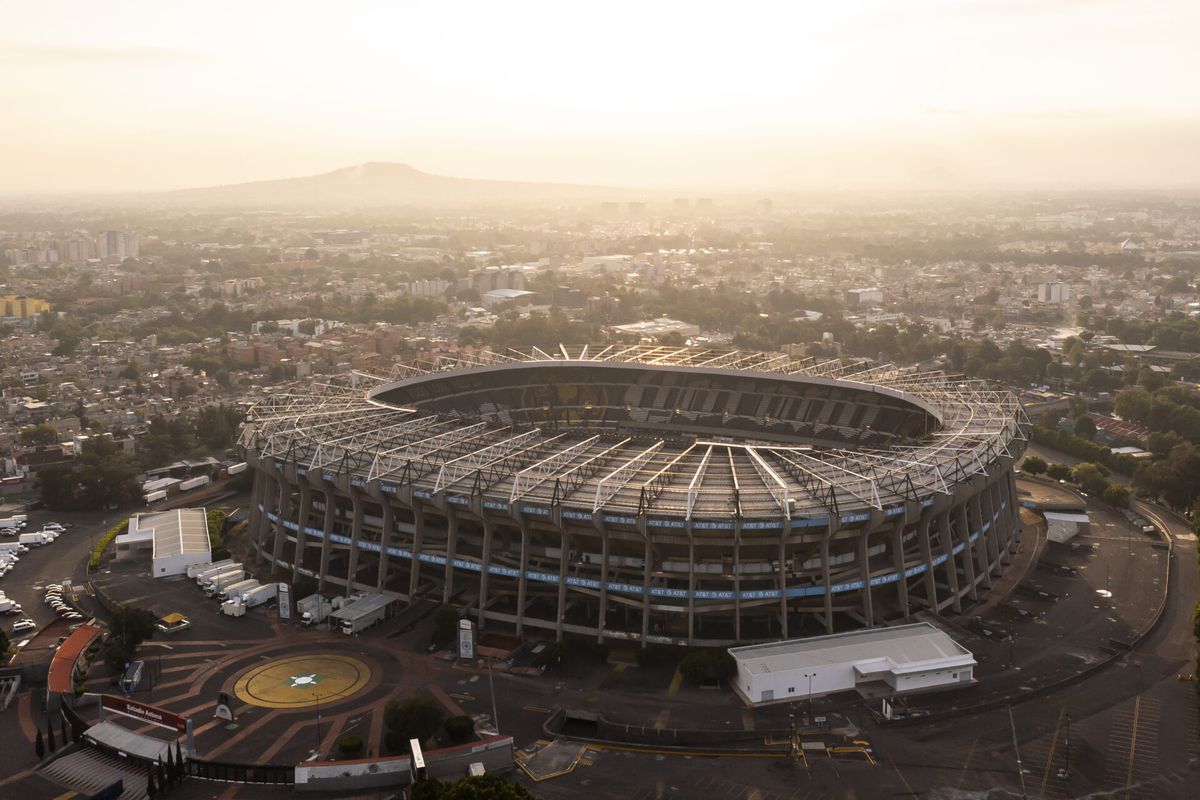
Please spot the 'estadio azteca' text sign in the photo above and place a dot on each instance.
(132, 708)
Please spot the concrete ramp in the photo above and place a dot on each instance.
(551, 759)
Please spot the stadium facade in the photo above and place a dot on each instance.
(660, 494)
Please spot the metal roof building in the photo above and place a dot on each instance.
(177, 539)
(877, 662)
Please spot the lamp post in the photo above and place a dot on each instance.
(317, 698)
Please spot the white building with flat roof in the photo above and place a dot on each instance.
(877, 662)
(176, 539)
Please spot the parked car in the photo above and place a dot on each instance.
(22, 625)
(73, 615)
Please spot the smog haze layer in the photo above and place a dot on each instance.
(887, 94)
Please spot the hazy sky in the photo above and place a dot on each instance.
(734, 95)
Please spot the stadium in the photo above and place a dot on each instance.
(657, 494)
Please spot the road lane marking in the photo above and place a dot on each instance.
(1137, 707)
(1050, 754)
(676, 682)
(962, 776)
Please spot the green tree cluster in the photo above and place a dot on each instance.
(418, 717)
(103, 477)
(476, 787)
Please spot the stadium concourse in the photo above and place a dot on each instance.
(657, 494)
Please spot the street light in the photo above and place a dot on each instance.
(317, 698)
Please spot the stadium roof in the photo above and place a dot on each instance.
(657, 456)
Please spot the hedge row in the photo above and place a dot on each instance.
(104, 541)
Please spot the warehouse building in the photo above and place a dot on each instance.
(876, 662)
(176, 540)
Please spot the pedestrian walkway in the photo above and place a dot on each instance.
(89, 770)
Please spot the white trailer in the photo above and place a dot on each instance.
(234, 591)
(363, 613)
(154, 497)
(195, 569)
(193, 483)
(234, 469)
(216, 583)
(260, 595)
(313, 609)
(35, 539)
(211, 572)
(17, 521)
(13, 547)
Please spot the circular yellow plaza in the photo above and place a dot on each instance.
(302, 681)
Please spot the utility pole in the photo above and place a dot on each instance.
(317, 697)
(1017, 749)
(492, 687)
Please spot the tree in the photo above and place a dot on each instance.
(485, 787)
(459, 730)
(104, 476)
(1116, 495)
(3, 645)
(39, 435)
(151, 786)
(1059, 472)
(418, 717)
(50, 743)
(1034, 465)
(1090, 478)
(39, 745)
(1085, 427)
(445, 625)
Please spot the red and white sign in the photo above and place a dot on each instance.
(151, 714)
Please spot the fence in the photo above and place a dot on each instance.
(278, 774)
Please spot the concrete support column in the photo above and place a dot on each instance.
(285, 512)
(357, 502)
(523, 578)
(602, 622)
(864, 571)
(783, 600)
(897, 546)
(304, 509)
(414, 572)
(560, 612)
(737, 579)
(385, 541)
(326, 530)
(929, 578)
(647, 568)
(489, 531)
(258, 515)
(975, 525)
(451, 553)
(968, 558)
(691, 598)
(947, 541)
(825, 577)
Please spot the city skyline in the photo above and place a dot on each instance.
(923, 94)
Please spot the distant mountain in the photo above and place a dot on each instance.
(382, 184)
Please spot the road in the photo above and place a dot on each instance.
(51, 563)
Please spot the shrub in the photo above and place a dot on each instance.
(350, 745)
(1034, 465)
(459, 730)
(1059, 472)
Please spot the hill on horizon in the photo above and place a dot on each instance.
(381, 184)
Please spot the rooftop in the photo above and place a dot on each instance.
(183, 530)
(903, 646)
